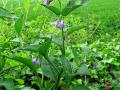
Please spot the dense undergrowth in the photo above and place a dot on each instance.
(73, 47)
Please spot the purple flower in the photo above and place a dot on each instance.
(35, 61)
(96, 66)
(47, 2)
(59, 24)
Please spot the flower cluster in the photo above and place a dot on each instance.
(59, 24)
(35, 61)
(47, 2)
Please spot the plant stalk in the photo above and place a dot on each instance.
(63, 43)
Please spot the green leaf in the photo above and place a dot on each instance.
(76, 56)
(79, 87)
(2, 63)
(84, 1)
(67, 10)
(67, 69)
(6, 14)
(46, 68)
(74, 29)
(33, 48)
(16, 40)
(40, 48)
(44, 47)
(26, 61)
(53, 9)
(51, 67)
(7, 83)
(19, 24)
(4, 45)
(57, 40)
(26, 4)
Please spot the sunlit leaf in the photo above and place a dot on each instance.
(53, 9)
(19, 24)
(74, 29)
(26, 4)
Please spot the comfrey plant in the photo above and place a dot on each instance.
(65, 71)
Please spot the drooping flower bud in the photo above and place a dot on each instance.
(59, 24)
(47, 2)
(35, 61)
(96, 66)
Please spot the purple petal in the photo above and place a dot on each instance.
(96, 66)
(34, 59)
(37, 62)
(47, 2)
(59, 24)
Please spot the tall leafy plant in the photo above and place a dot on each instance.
(58, 71)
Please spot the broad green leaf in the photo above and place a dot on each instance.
(51, 67)
(33, 48)
(44, 47)
(6, 14)
(26, 61)
(7, 83)
(40, 48)
(79, 87)
(68, 10)
(19, 24)
(53, 9)
(47, 70)
(67, 69)
(84, 70)
(74, 29)
(57, 40)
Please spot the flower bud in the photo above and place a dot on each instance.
(35, 61)
(47, 2)
(96, 66)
